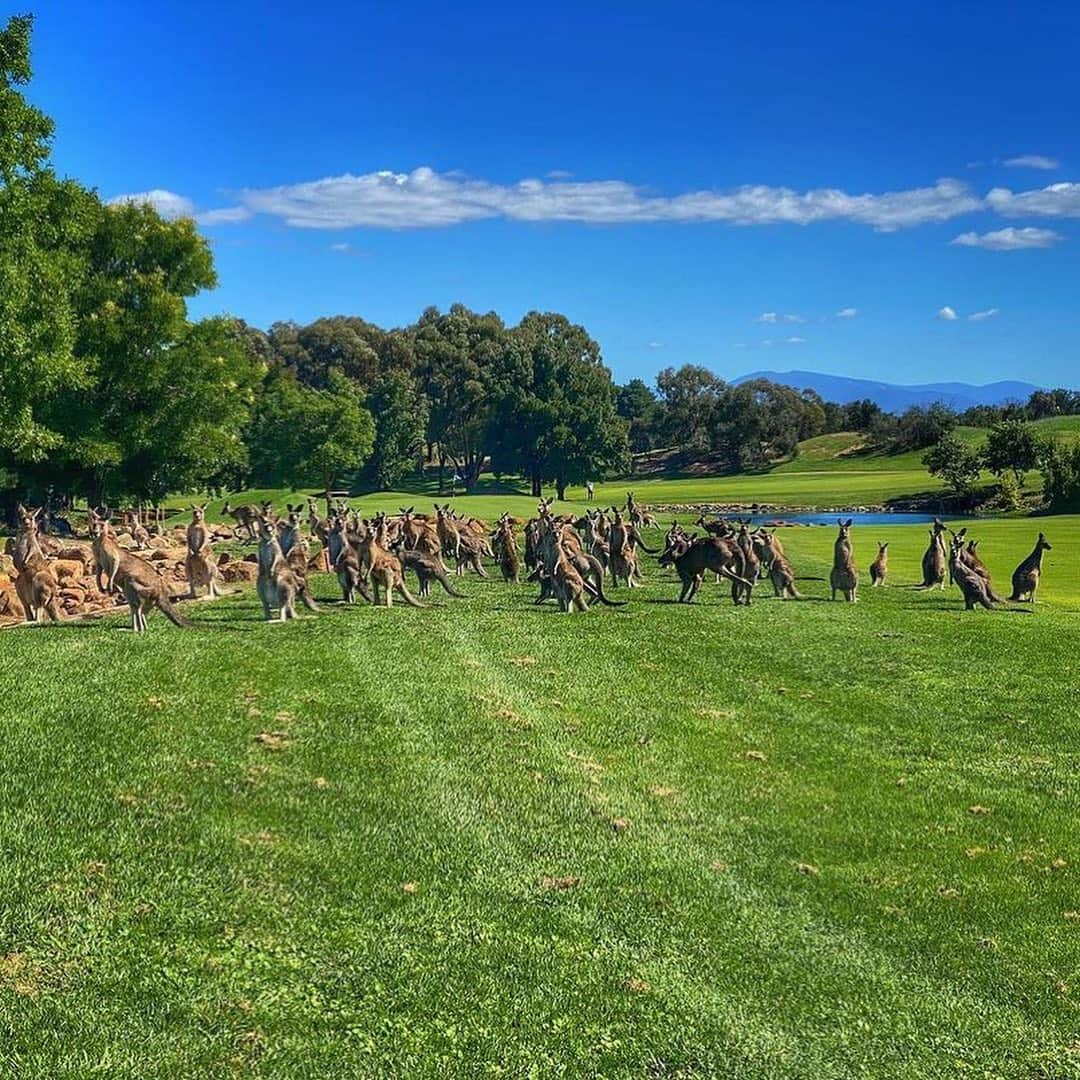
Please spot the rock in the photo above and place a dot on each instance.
(65, 569)
(240, 570)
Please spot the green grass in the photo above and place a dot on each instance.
(181, 900)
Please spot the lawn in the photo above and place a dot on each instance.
(802, 839)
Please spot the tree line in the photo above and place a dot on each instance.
(109, 392)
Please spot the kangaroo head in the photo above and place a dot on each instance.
(882, 548)
(1043, 544)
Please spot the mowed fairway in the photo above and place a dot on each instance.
(800, 839)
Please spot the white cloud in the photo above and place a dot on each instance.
(656, 344)
(982, 316)
(1009, 239)
(795, 340)
(172, 206)
(794, 319)
(225, 215)
(947, 314)
(339, 247)
(1032, 161)
(167, 203)
(847, 313)
(1057, 200)
(424, 198)
(767, 317)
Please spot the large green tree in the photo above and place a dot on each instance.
(1012, 446)
(555, 417)
(400, 414)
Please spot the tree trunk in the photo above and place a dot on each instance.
(537, 489)
(560, 488)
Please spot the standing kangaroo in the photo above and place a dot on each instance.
(36, 585)
(143, 587)
(277, 584)
(934, 560)
(975, 588)
(384, 571)
(845, 574)
(199, 564)
(1025, 579)
(879, 568)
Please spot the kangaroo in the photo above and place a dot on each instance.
(345, 561)
(142, 586)
(320, 529)
(934, 560)
(384, 571)
(247, 517)
(972, 585)
(504, 544)
(428, 568)
(199, 564)
(1025, 579)
(970, 557)
(708, 553)
(36, 585)
(471, 549)
(277, 584)
(447, 530)
(845, 574)
(780, 571)
(879, 568)
(752, 563)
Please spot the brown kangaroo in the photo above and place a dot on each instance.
(781, 572)
(142, 586)
(504, 544)
(247, 517)
(973, 586)
(708, 553)
(879, 568)
(845, 574)
(384, 571)
(36, 585)
(1025, 579)
(277, 584)
(199, 564)
(970, 557)
(935, 560)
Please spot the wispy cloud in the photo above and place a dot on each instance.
(982, 316)
(342, 246)
(794, 319)
(172, 206)
(1032, 161)
(425, 198)
(794, 340)
(1056, 200)
(847, 313)
(767, 317)
(947, 314)
(1009, 239)
(656, 345)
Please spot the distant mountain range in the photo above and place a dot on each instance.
(894, 398)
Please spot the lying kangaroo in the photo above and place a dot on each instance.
(142, 586)
(199, 564)
(36, 585)
(975, 589)
(845, 574)
(1025, 579)
(934, 560)
(879, 568)
(277, 584)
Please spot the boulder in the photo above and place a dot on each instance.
(240, 570)
(66, 569)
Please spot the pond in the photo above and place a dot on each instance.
(868, 518)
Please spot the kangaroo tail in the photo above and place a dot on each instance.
(444, 581)
(305, 596)
(54, 610)
(598, 593)
(408, 596)
(643, 546)
(172, 613)
(805, 577)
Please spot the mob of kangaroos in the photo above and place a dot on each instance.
(568, 556)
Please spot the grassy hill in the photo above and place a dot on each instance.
(801, 839)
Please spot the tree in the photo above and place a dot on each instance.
(1060, 464)
(301, 436)
(554, 418)
(1012, 446)
(955, 462)
(400, 414)
(455, 354)
(919, 427)
(689, 397)
(636, 404)
(44, 225)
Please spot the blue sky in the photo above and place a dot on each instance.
(700, 183)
